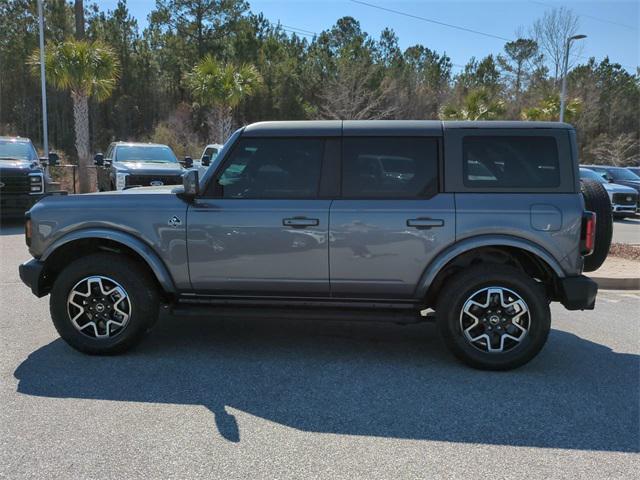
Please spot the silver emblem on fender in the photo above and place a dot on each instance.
(174, 221)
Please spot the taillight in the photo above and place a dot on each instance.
(588, 234)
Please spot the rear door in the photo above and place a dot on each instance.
(262, 228)
(391, 218)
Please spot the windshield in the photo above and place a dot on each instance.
(591, 175)
(145, 153)
(17, 150)
(622, 174)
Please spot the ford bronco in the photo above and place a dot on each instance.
(482, 222)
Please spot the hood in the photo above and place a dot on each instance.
(17, 165)
(615, 188)
(635, 184)
(149, 168)
(163, 189)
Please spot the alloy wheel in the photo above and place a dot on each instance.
(495, 320)
(99, 307)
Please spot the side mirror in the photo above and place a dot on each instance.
(54, 159)
(187, 162)
(191, 184)
(98, 159)
(206, 160)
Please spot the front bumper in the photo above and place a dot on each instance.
(31, 274)
(15, 205)
(578, 293)
(623, 208)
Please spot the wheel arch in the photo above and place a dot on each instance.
(87, 241)
(522, 253)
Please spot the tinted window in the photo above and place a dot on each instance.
(510, 162)
(272, 168)
(389, 167)
(145, 153)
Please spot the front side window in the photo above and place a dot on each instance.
(272, 168)
(389, 167)
(510, 162)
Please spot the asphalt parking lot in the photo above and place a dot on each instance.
(297, 399)
(627, 230)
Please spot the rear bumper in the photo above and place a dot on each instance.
(578, 293)
(31, 276)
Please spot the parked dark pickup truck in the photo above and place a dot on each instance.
(23, 180)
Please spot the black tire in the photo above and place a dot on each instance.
(597, 200)
(136, 282)
(462, 287)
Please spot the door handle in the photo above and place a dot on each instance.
(424, 223)
(300, 222)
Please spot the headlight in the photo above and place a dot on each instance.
(121, 180)
(36, 183)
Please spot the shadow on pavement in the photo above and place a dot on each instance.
(359, 379)
(11, 227)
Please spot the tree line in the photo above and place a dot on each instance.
(203, 67)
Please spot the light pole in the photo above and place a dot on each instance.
(43, 87)
(563, 93)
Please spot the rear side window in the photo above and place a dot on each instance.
(510, 162)
(389, 167)
(272, 168)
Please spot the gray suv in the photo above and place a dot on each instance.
(483, 222)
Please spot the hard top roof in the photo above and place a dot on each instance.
(383, 127)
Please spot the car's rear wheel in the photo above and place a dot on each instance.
(597, 200)
(103, 303)
(493, 317)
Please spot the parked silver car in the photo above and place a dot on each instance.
(624, 200)
(483, 222)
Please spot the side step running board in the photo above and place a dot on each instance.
(184, 309)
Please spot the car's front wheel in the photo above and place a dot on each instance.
(493, 317)
(103, 303)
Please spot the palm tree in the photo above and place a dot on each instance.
(549, 110)
(86, 69)
(221, 87)
(479, 104)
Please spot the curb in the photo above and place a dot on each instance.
(607, 283)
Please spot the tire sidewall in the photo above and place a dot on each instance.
(143, 299)
(539, 313)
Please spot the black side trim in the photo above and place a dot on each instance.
(298, 313)
(578, 293)
(297, 302)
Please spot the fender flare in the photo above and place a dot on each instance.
(148, 255)
(444, 257)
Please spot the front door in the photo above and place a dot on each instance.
(261, 229)
(391, 219)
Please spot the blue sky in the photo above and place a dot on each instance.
(611, 26)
